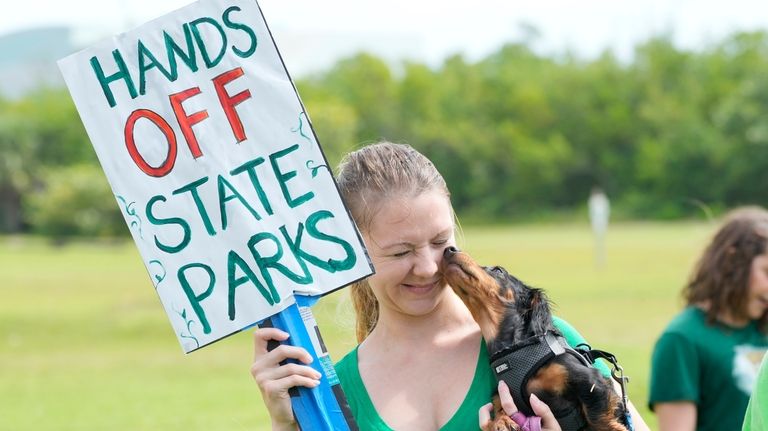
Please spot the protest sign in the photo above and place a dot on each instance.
(216, 168)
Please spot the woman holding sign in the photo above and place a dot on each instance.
(421, 363)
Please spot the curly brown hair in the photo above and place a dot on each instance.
(721, 276)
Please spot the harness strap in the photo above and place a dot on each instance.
(572, 420)
(617, 373)
(516, 365)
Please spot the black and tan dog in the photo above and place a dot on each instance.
(516, 319)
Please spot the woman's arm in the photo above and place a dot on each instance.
(274, 379)
(637, 421)
(676, 416)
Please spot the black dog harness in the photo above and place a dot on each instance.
(515, 365)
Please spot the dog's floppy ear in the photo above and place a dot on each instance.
(531, 303)
(505, 282)
(540, 312)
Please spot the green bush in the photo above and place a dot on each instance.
(74, 201)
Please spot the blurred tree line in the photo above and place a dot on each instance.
(516, 134)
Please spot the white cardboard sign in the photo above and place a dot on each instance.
(216, 168)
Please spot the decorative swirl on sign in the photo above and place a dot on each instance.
(188, 322)
(158, 277)
(314, 169)
(131, 212)
(300, 129)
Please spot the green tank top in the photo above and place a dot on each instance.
(465, 418)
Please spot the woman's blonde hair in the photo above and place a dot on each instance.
(369, 177)
(721, 276)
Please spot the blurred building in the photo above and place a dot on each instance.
(28, 59)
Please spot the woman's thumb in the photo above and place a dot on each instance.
(548, 421)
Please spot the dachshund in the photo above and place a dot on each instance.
(516, 319)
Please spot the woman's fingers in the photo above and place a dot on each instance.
(269, 373)
(269, 369)
(262, 336)
(272, 389)
(485, 416)
(276, 371)
(548, 421)
(505, 397)
(265, 374)
(505, 405)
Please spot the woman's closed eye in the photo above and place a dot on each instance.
(401, 253)
(440, 242)
(397, 253)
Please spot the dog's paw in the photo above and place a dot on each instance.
(505, 423)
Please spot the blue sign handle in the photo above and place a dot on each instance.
(323, 408)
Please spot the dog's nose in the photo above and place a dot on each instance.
(450, 251)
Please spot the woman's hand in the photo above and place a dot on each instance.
(548, 421)
(274, 379)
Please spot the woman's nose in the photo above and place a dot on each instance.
(427, 264)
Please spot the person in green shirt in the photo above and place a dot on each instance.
(421, 363)
(704, 364)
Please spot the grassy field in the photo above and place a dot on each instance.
(85, 344)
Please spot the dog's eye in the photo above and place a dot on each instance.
(497, 270)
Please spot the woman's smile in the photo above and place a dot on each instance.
(420, 288)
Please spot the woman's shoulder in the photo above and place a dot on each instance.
(574, 339)
(690, 322)
(347, 364)
(571, 335)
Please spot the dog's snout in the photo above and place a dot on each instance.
(450, 251)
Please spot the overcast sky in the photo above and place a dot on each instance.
(427, 30)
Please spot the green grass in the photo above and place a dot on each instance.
(85, 344)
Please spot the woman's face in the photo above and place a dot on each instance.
(406, 240)
(757, 297)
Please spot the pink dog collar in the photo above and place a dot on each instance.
(527, 423)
